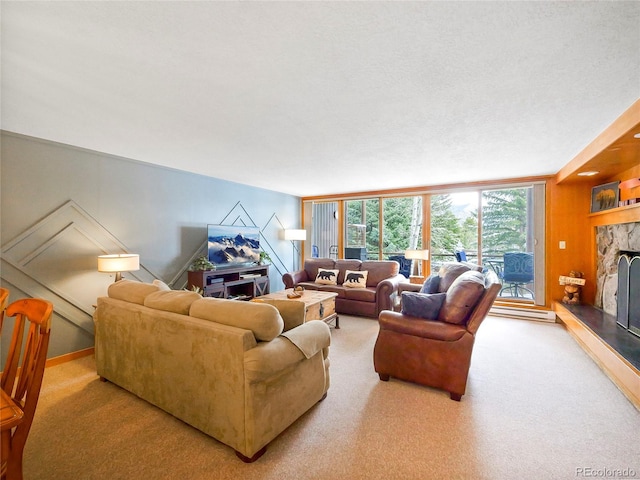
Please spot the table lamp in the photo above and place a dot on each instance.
(416, 257)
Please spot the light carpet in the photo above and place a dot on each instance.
(536, 407)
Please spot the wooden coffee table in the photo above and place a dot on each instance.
(319, 305)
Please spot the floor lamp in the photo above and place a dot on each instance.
(294, 234)
(118, 263)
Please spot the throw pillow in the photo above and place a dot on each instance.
(431, 284)
(161, 285)
(355, 278)
(327, 277)
(422, 305)
(176, 301)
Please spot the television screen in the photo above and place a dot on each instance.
(230, 245)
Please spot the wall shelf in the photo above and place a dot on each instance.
(626, 214)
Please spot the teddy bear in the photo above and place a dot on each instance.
(571, 291)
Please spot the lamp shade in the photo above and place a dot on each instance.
(416, 254)
(125, 262)
(295, 234)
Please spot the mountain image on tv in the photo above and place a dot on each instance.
(230, 245)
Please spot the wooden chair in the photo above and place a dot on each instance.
(4, 299)
(22, 375)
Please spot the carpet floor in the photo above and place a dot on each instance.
(536, 407)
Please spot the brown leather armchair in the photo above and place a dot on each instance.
(435, 353)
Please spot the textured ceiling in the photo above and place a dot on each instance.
(313, 98)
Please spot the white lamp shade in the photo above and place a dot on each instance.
(295, 234)
(126, 262)
(416, 254)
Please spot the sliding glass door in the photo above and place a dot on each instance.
(508, 239)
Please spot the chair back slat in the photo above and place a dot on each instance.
(13, 358)
(4, 300)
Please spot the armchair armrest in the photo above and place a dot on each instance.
(419, 327)
(409, 287)
(291, 279)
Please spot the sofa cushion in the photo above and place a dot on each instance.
(346, 264)
(422, 305)
(131, 291)
(379, 270)
(292, 311)
(461, 297)
(176, 301)
(327, 277)
(449, 271)
(339, 289)
(262, 319)
(355, 278)
(367, 294)
(431, 284)
(311, 266)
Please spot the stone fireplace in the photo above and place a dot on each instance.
(611, 240)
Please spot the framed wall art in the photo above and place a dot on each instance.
(605, 197)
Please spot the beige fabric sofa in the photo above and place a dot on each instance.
(222, 366)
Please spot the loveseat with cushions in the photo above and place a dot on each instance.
(364, 288)
(241, 372)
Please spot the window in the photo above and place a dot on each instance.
(362, 229)
(489, 226)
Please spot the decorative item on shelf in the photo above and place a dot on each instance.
(629, 192)
(201, 264)
(605, 197)
(118, 263)
(195, 288)
(297, 292)
(264, 257)
(572, 287)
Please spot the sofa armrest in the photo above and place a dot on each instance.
(291, 279)
(386, 292)
(269, 358)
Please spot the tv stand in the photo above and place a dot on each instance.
(234, 283)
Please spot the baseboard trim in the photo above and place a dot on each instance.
(525, 313)
(67, 357)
